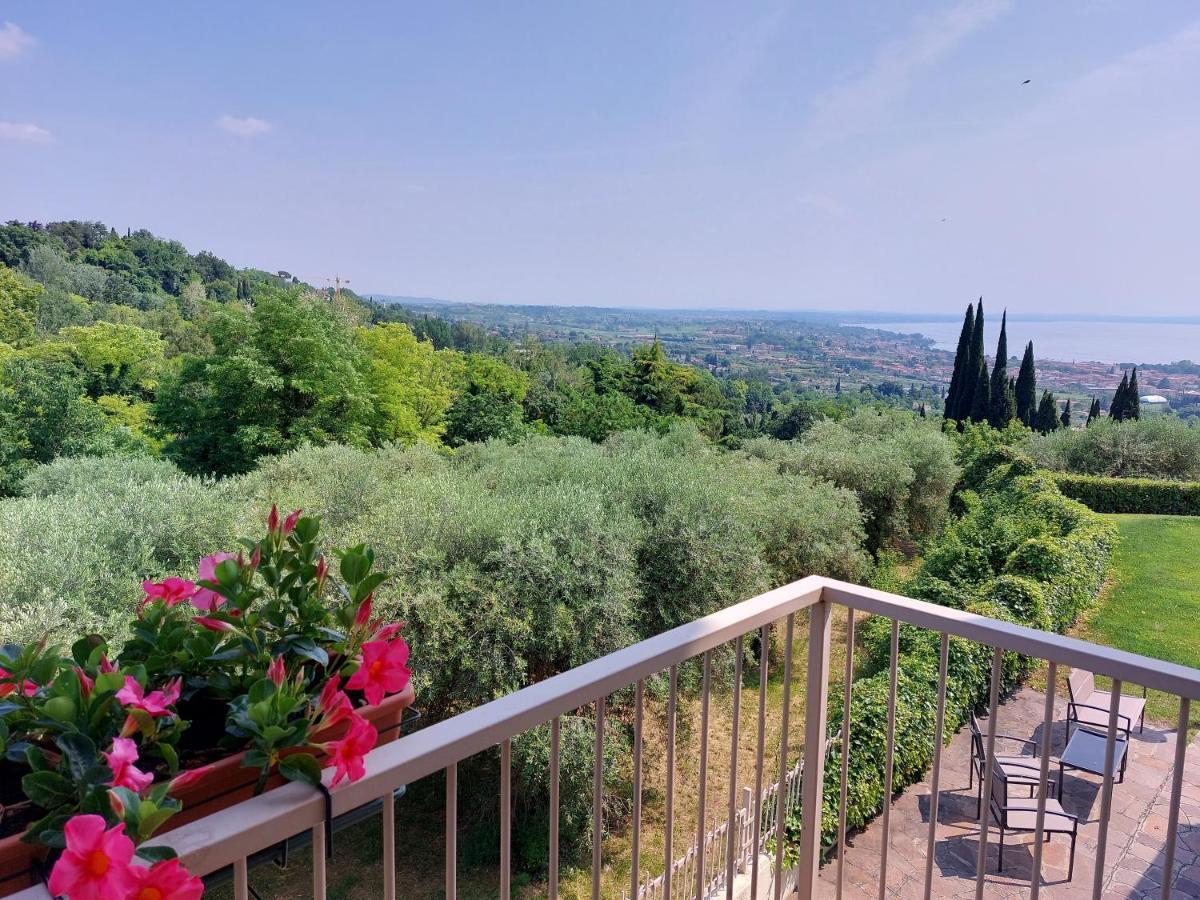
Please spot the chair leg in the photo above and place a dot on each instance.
(971, 775)
(1000, 849)
(1071, 864)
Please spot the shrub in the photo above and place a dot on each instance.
(1160, 447)
(1133, 495)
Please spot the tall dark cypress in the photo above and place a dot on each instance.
(1047, 419)
(1002, 401)
(981, 391)
(1027, 388)
(1116, 409)
(1066, 414)
(953, 404)
(1093, 411)
(1133, 403)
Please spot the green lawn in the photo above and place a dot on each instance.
(1152, 604)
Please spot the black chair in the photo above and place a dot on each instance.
(1020, 815)
(1020, 768)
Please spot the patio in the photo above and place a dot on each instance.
(1137, 826)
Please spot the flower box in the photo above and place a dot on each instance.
(226, 783)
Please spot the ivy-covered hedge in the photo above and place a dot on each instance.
(1132, 495)
(1020, 551)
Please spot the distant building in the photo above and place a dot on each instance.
(1154, 398)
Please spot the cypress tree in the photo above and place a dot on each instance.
(1003, 401)
(1066, 414)
(1026, 388)
(1133, 403)
(1116, 409)
(953, 405)
(1047, 419)
(1093, 411)
(980, 392)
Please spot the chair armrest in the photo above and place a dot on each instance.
(1050, 776)
(1064, 814)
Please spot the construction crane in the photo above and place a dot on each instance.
(337, 281)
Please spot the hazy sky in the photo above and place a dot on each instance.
(875, 155)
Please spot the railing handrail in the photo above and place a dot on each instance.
(220, 839)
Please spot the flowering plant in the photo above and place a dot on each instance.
(262, 652)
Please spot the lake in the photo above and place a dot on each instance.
(1109, 342)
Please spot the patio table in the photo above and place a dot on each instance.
(1085, 751)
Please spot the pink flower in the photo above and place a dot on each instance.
(382, 671)
(347, 754)
(166, 880)
(105, 665)
(28, 688)
(212, 624)
(289, 524)
(170, 590)
(363, 615)
(275, 671)
(187, 778)
(121, 761)
(156, 703)
(387, 632)
(96, 864)
(333, 704)
(273, 519)
(205, 599)
(85, 682)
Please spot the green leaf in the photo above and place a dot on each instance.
(354, 567)
(49, 790)
(81, 650)
(171, 757)
(367, 585)
(261, 691)
(301, 767)
(309, 650)
(227, 573)
(80, 753)
(157, 853)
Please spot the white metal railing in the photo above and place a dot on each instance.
(228, 838)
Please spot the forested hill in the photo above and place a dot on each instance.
(130, 344)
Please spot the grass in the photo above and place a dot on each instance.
(1151, 605)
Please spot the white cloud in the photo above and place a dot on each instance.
(243, 126)
(24, 131)
(859, 103)
(14, 41)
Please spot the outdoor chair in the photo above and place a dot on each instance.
(1020, 815)
(1088, 706)
(1020, 768)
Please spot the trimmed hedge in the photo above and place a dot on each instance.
(1020, 551)
(1132, 495)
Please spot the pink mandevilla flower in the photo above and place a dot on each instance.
(276, 672)
(121, 761)
(205, 599)
(382, 671)
(388, 631)
(289, 524)
(187, 778)
(363, 615)
(347, 754)
(156, 703)
(273, 519)
(96, 864)
(85, 682)
(170, 590)
(166, 880)
(28, 688)
(212, 624)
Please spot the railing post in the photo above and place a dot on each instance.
(812, 785)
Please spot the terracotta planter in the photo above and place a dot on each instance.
(228, 783)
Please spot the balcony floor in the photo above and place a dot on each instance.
(1137, 829)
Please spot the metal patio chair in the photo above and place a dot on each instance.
(1020, 814)
(1020, 769)
(1088, 706)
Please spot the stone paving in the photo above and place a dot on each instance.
(1136, 835)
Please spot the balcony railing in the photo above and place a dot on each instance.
(718, 857)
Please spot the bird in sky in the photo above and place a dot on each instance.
(1027, 80)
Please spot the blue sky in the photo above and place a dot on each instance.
(870, 155)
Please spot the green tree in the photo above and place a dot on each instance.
(1066, 414)
(1117, 408)
(1047, 419)
(1133, 400)
(118, 358)
(18, 307)
(489, 402)
(980, 391)
(1093, 411)
(1026, 388)
(1003, 402)
(286, 373)
(411, 384)
(958, 391)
